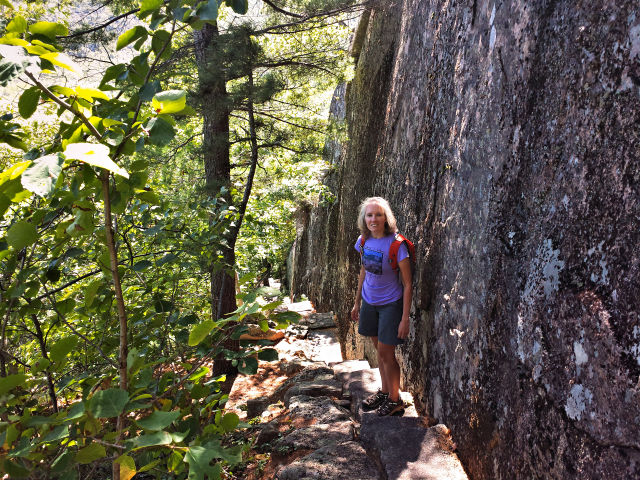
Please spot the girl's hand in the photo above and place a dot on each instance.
(403, 328)
(355, 313)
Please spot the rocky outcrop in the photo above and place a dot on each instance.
(341, 441)
(313, 425)
(505, 135)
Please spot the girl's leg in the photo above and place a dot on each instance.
(381, 367)
(389, 365)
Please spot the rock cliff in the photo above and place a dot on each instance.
(506, 137)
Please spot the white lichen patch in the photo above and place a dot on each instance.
(581, 355)
(634, 41)
(577, 401)
(635, 349)
(601, 277)
(492, 38)
(544, 272)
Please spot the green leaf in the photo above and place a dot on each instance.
(17, 25)
(174, 461)
(63, 462)
(199, 332)
(199, 373)
(76, 411)
(82, 223)
(90, 453)
(169, 257)
(142, 265)
(14, 469)
(42, 175)
(62, 60)
(4, 205)
(238, 6)
(58, 433)
(108, 403)
(48, 29)
(208, 11)
(90, 94)
(158, 420)
(6, 3)
(268, 354)
(198, 459)
(112, 73)
(14, 61)
(151, 440)
(148, 5)
(170, 101)
(62, 348)
(290, 317)
(158, 42)
(248, 366)
(94, 154)
(28, 102)
(8, 71)
(22, 234)
(134, 361)
(229, 422)
(127, 467)
(11, 381)
(161, 132)
(148, 90)
(90, 292)
(131, 36)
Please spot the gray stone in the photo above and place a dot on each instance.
(255, 406)
(360, 384)
(408, 450)
(320, 409)
(349, 366)
(317, 436)
(504, 135)
(345, 461)
(305, 377)
(321, 385)
(268, 433)
(297, 331)
(316, 321)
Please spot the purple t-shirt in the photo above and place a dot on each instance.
(381, 284)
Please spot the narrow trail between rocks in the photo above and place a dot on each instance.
(311, 425)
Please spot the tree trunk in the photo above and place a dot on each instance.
(215, 107)
(121, 422)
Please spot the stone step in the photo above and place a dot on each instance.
(337, 461)
(408, 450)
(405, 446)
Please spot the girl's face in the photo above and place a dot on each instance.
(375, 219)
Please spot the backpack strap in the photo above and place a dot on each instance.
(393, 251)
(362, 240)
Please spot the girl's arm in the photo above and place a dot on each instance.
(405, 272)
(355, 312)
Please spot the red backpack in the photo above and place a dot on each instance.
(393, 251)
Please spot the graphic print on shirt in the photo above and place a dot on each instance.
(372, 261)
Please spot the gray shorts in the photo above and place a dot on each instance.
(381, 321)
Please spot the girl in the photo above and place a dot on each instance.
(383, 300)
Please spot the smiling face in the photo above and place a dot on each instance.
(375, 219)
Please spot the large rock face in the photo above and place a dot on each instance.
(506, 137)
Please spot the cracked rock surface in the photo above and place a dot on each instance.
(331, 438)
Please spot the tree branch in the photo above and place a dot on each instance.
(264, 114)
(99, 27)
(65, 105)
(68, 284)
(280, 10)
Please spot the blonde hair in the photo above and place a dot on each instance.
(390, 225)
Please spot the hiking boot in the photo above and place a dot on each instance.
(374, 401)
(391, 408)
